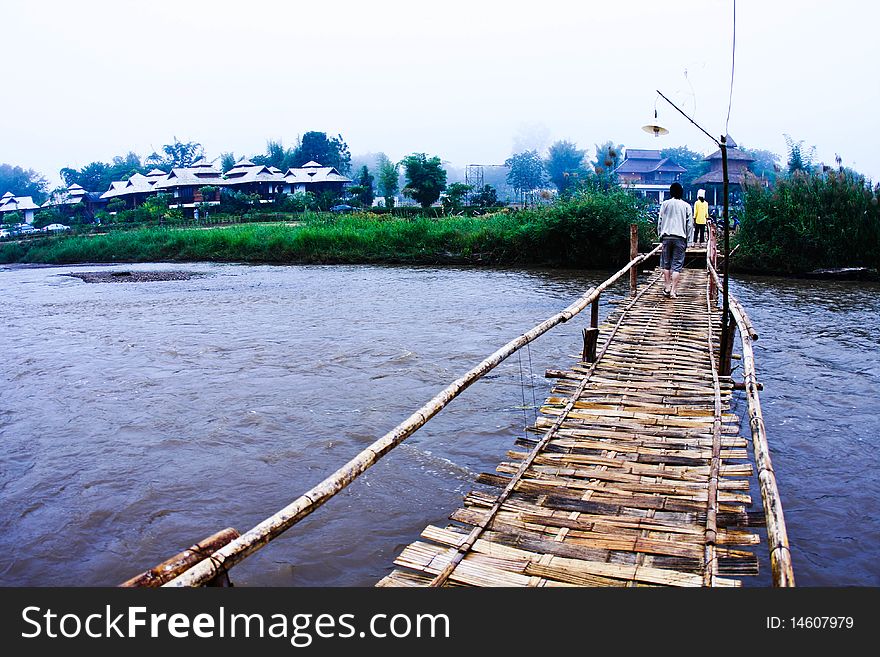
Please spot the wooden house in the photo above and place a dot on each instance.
(737, 168)
(315, 178)
(24, 205)
(648, 172)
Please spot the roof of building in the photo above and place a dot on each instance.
(648, 164)
(736, 173)
(312, 172)
(195, 176)
(246, 171)
(10, 203)
(137, 184)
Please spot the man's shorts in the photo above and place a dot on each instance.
(672, 253)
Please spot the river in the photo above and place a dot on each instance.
(137, 418)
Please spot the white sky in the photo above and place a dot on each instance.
(466, 80)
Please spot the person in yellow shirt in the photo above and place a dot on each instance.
(701, 214)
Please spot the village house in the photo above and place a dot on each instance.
(185, 184)
(76, 200)
(250, 178)
(737, 168)
(315, 178)
(24, 205)
(134, 190)
(648, 172)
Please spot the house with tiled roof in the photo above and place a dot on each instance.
(134, 190)
(184, 184)
(250, 178)
(75, 199)
(737, 168)
(24, 205)
(316, 178)
(648, 172)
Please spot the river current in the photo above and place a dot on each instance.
(138, 418)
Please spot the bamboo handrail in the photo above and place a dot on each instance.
(777, 536)
(270, 528)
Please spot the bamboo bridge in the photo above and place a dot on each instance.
(635, 475)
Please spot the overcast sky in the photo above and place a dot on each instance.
(471, 81)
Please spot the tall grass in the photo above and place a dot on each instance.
(590, 231)
(809, 221)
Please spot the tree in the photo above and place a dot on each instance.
(389, 180)
(425, 178)
(564, 164)
(608, 158)
(694, 162)
(97, 176)
(799, 159)
(364, 188)
(332, 152)
(765, 165)
(227, 161)
(456, 193)
(182, 153)
(526, 171)
(486, 197)
(23, 182)
(276, 156)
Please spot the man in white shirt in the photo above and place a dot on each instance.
(674, 227)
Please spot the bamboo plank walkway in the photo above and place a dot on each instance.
(636, 474)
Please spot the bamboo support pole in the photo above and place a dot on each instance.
(633, 254)
(777, 536)
(179, 563)
(270, 528)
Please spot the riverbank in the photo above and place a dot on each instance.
(589, 232)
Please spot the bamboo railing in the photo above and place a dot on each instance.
(270, 528)
(777, 536)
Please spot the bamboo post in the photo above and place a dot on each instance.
(273, 526)
(182, 561)
(633, 254)
(712, 263)
(591, 337)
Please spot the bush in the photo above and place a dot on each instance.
(809, 221)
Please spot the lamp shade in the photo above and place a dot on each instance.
(655, 127)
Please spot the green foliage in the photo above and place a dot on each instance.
(298, 202)
(276, 156)
(486, 197)
(97, 176)
(329, 152)
(116, 205)
(233, 202)
(455, 196)
(564, 164)
(389, 180)
(181, 153)
(425, 178)
(608, 158)
(800, 158)
(808, 221)
(23, 182)
(12, 218)
(526, 171)
(765, 164)
(208, 192)
(365, 193)
(694, 162)
(227, 161)
(46, 216)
